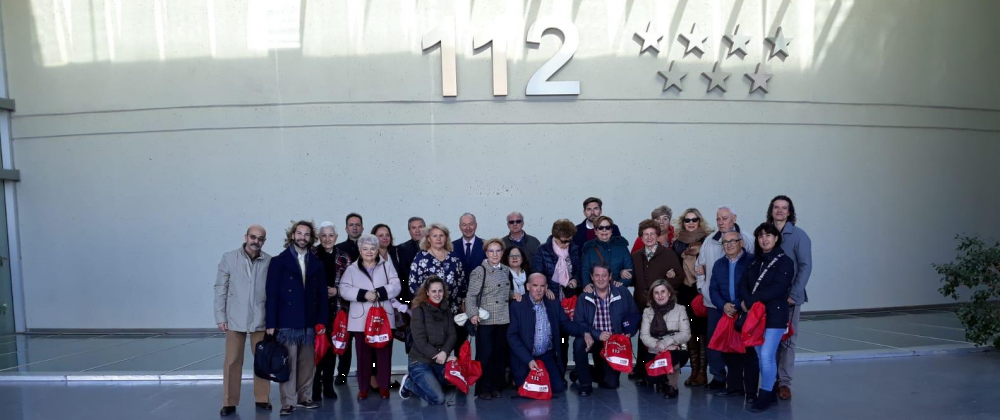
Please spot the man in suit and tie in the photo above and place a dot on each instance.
(468, 248)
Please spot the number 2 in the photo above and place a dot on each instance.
(539, 83)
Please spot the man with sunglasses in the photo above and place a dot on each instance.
(240, 287)
(517, 237)
(592, 209)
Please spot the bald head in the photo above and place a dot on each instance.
(254, 240)
(537, 285)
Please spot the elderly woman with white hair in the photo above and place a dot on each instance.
(335, 262)
(367, 283)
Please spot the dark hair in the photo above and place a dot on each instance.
(649, 224)
(352, 214)
(414, 219)
(791, 209)
(290, 233)
(525, 264)
(563, 228)
(601, 265)
(600, 204)
(761, 230)
(421, 297)
(658, 283)
(383, 225)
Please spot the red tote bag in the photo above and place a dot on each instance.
(453, 374)
(660, 365)
(698, 307)
(726, 339)
(322, 344)
(378, 333)
(789, 331)
(569, 306)
(753, 327)
(618, 352)
(339, 335)
(463, 372)
(538, 384)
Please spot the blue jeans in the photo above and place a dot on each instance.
(716, 364)
(767, 353)
(425, 381)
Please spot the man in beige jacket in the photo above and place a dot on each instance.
(239, 310)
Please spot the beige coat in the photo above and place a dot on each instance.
(677, 320)
(240, 290)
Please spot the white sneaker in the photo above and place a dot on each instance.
(403, 392)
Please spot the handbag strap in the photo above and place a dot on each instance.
(762, 273)
(479, 297)
(599, 254)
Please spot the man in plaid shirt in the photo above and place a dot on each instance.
(608, 310)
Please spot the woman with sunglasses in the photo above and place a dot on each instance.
(608, 249)
(691, 236)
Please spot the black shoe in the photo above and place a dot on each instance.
(286, 411)
(341, 380)
(728, 392)
(763, 402)
(632, 376)
(715, 385)
(496, 394)
(485, 396)
(585, 392)
(573, 376)
(264, 406)
(310, 404)
(604, 385)
(394, 385)
(330, 394)
(641, 382)
(227, 410)
(670, 393)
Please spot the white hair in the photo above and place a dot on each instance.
(367, 239)
(467, 214)
(327, 224)
(515, 213)
(726, 207)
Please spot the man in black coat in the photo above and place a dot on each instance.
(530, 341)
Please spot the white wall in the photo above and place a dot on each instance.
(149, 135)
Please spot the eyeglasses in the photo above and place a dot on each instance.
(731, 242)
(692, 220)
(512, 256)
(255, 237)
(515, 222)
(605, 228)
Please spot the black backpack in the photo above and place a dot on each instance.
(270, 360)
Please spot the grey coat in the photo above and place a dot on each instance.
(495, 286)
(797, 246)
(432, 331)
(240, 290)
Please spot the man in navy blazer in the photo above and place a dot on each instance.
(468, 248)
(727, 277)
(608, 310)
(533, 336)
(296, 304)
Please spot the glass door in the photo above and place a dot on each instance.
(6, 294)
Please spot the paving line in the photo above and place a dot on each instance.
(73, 354)
(144, 354)
(851, 339)
(908, 334)
(54, 335)
(195, 363)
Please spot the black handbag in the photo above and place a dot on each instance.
(271, 360)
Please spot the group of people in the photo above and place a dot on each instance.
(508, 294)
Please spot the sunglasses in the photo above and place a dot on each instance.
(564, 240)
(255, 237)
(692, 220)
(605, 228)
(515, 222)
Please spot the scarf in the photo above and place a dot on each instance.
(518, 281)
(658, 328)
(691, 237)
(561, 273)
(436, 305)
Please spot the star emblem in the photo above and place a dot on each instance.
(716, 79)
(672, 78)
(779, 44)
(759, 79)
(694, 40)
(650, 38)
(737, 43)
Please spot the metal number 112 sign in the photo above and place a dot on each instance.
(538, 84)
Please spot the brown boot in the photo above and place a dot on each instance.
(702, 364)
(693, 348)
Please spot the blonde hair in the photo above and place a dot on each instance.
(425, 244)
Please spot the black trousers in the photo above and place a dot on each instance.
(324, 373)
(743, 371)
(601, 372)
(345, 359)
(491, 351)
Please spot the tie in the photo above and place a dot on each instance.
(468, 253)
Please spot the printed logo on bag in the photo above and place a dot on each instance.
(381, 338)
(339, 344)
(659, 363)
(621, 361)
(535, 387)
(457, 374)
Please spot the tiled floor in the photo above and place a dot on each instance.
(938, 387)
(199, 355)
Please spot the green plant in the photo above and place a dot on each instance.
(976, 268)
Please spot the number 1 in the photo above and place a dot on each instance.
(499, 49)
(444, 34)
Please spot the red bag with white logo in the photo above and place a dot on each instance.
(789, 331)
(463, 372)
(453, 374)
(378, 332)
(698, 306)
(322, 343)
(754, 325)
(618, 352)
(339, 335)
(726, 339)
(660, 365)
(569, 306)
(538, 384)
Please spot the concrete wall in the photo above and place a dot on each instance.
(150, 133)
